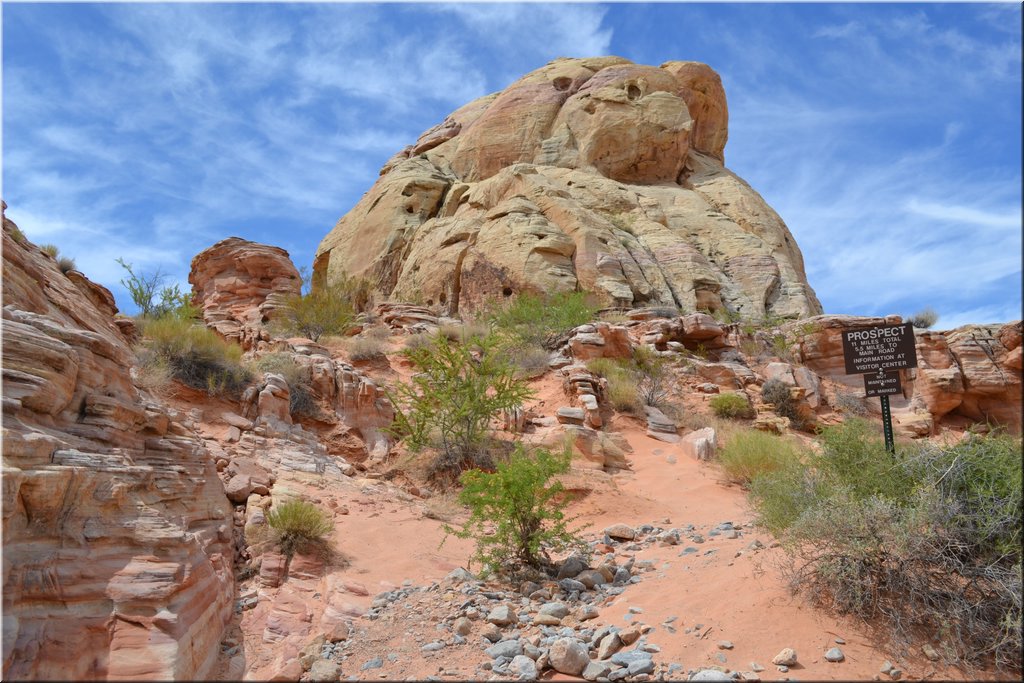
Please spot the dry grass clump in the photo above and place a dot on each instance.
(532, 361)
(298, 525)
(195, 355)
(464, 333)
(623, 385)
(749, 453)
(365, 349)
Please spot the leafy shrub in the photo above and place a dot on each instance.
(153, 300)
(732, 405)
(533, 320)
(928, 540)
(924, 318)
(196, 356)
(516, 512)
(749, 453)
(455, 392)
(50, 250)
(299, 525)
(365, 349)
(314, 314)
(66, 264)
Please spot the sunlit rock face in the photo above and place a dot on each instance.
(586, 174)
(117, 535)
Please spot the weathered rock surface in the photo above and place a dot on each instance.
(595, 174)
(118, 544)
(973, 371)
(238, 284)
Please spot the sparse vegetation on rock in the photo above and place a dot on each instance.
(532, 320)
(195, 355)
(327, 310)
(732, 405)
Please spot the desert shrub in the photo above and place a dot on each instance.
(365, 348)
(732, 405)
(924, 318)
(50, 250)
(464, 333)
(928, 541)
(776, 392)
(533, 320)
(299, 525)
(153, 300)
(301, 398)
(454, 393)
(531, 361)
(15, 232)
(196, 356)
(418, 341)
(326, 310)
(517, 512)
(153, 374)
(780, 347)
(652, 377)
(749, 453)
(66, 264)
(849, 402)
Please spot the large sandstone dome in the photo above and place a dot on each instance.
(587, 174)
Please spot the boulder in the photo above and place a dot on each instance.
(239, 285)
(700, 444)
(591, 174)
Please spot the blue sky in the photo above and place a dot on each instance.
(888, 137)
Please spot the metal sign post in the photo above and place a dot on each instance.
(879, 353)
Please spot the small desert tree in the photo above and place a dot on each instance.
(455, 392)
(517, 512)
(154, 300)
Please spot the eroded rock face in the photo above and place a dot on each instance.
(239, 284)
(973, 371)
(117, 534)
(594, 174)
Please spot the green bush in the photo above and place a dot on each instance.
(153, 300)
(732, 405)
(299, 525)
(517, 512)
(454, 393)
(195, 355)
(532, 320)
(749, 453)
(314, 314)
(928, 540)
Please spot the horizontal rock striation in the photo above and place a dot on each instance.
(586, 174)
(239, 284)
(118, 551)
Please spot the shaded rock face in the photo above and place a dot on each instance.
(239, 284)
(587, 174)
(117, 535)
(973, 371)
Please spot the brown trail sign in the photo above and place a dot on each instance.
(879, 353)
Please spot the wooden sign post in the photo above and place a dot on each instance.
(879, 353)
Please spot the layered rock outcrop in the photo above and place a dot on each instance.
(587, 174)
(118, 544)
(238, 285)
